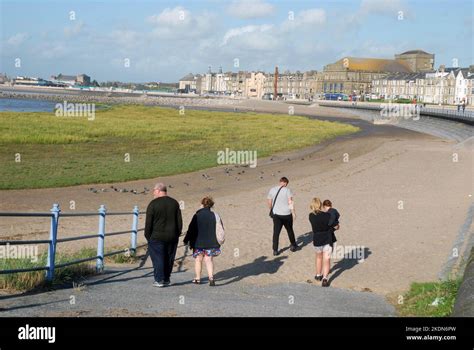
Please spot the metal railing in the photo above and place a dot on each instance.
(53, 240)
(466, 116)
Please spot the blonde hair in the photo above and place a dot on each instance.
(316, 206)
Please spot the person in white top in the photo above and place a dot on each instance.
(280, 203)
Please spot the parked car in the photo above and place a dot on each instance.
(336, 97)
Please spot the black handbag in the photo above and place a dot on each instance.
(273, 204)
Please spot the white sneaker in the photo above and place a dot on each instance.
(158, 284)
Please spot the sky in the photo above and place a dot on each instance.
(143, 41)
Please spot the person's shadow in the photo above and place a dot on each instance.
(302, 241)
(257, 267)
(349, 260)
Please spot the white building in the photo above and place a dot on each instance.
(443, 86)
(255, 85)
(461, 91)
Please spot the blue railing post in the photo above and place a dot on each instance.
(101, 237)
(53, 234)
(133, 244)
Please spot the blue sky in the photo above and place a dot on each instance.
(164, 40)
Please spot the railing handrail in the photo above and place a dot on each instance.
(67, 214)
(26, 214)
(467, 116)
(53, 240)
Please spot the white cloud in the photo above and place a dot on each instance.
(249, 9)
(180, 23)
(371, 48)
(390, 9)
(308, 18)
(74, 29)
(381, 7)
(237, 32)
(17, 39)
(53, 50)
(172, 17)
(312, 16)
(126, 38)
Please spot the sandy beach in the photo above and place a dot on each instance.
(401, 197)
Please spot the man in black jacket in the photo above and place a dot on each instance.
(162, 230)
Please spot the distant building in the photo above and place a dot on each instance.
(354, 75)
(464, 77)
(399, 85)
(71, 80)
(236, 83)
(190, 83)
(3, 79)
(254, 85)
(310, 84)
(442, 86)
(417, 60)
(215, 83)
(30, 81)
(289, 85)
(470, 86)
(83, 80)
(439, 86)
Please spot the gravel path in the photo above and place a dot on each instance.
(129, 292)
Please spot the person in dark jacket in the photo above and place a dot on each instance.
(322, 240)
(163, 227)
(201, 237)
(334, 221)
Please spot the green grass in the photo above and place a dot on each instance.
(25, 281)
(33, 280)
(400, 100)
(67, 151)
(124, 258)
(419, 299)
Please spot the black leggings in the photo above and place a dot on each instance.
(278, 222)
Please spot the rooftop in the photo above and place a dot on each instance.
(374, 65)
(413, 52)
